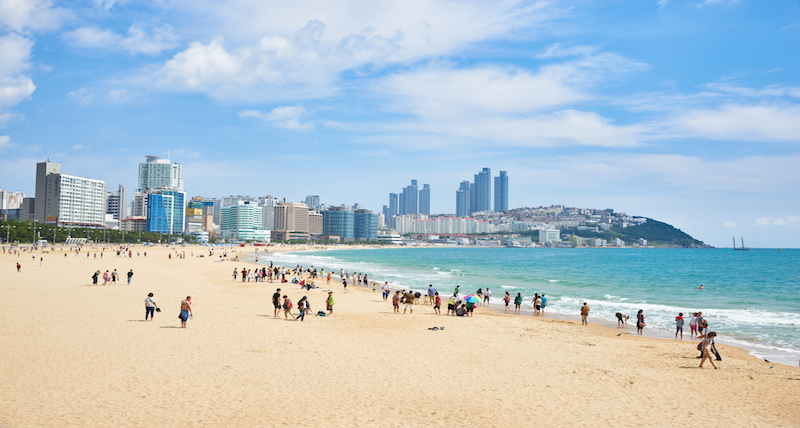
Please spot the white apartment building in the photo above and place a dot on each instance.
(75, 201)
(549, 235)
(156, 173)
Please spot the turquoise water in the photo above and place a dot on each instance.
(751, 298)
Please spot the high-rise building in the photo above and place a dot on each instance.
(410, 198)
(139, 206)
(393, 206)
(314, 223)
(242, 222)
(462, 200)
(501, 192)
(156, 173)
(165, 210)
(67, 200)
(313, 201)
(401, 203)
(43, 170)
(117, 203)
(217, 206)
(425, 199)
(11, 200)
(365, 225)
(473, 198)
(483, 190)
(196, 218)
(291, 217)
(338, 221)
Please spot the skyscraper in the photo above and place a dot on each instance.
(365, 225)
(165, 210)
(401, 204)
(313, 201)
(156, 172)
(67, 200)
(483, 190)
(425, 199)
(501, 192)
(462, 200)
(43, 169)
(410, 198)
(393, 205)
(338, 221)
(117, 203)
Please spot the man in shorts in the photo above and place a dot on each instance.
(409, 302)
(537, 306)
(329, 303)
(385, 290)
(437, 304)
(431, 293)
(186, 311)
(544, 303)
(486, 295)
(451, 305)
(679, 325)
(700, 320)
(276, 301)
(584, 314)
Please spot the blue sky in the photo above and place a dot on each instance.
(684, 111)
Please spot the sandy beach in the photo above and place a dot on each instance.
(80, 355)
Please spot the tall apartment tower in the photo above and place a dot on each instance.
(410, 198)
(117, 203)
(156, 172)
(425, 199)
(43, 169)
(313, 201)
(501, 192)
(393, 206)
(462, 199)
(483, 190)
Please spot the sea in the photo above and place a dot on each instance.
(750, 298)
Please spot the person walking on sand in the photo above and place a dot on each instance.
(517, 304)
(287, 308)
(640, 324)
(584, 314)
(409, 303)
(437, 303)
(235, 273)
(344, 283)
(507, 300)
(700, 321)
(130, 276)
(150, 306)
(708, 339)
(19, 269)
(276, 301)
(186, 311)
(679, 325)
(385, 290)
(94, 277)
(329, 303)
(329, 278)
(301, 305)
(105, 278)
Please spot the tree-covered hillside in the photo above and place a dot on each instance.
(655, 232)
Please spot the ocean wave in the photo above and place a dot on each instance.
(553, 280)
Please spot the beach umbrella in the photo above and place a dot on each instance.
(472, 299)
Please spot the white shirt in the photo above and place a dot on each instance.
(150, 302)
(487, 293)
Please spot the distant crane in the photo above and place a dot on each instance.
(743, 248)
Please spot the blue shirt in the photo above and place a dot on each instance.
(544, 301)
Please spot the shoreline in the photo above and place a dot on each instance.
(756, 351)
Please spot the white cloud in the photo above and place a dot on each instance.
(107, 4)
(557, 51)
(284, 117)
(24, 15)
(138, 40)
(5, 142)
(662, 3)
(785, 221)
(729, 224)
(735, 122)
(15, 87)
(77, 147)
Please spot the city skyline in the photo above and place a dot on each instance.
(685, 111)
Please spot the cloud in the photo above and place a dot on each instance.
(15, 86)
(733, 122)
(785, 221)
(300, 54)
(729, 224)
(287, 117)
(556, 51)
(22, 16)
(138, 40)
(662, 3)
(107, 4)
(5, 142)
(77, 147)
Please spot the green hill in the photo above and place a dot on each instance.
(655, 232)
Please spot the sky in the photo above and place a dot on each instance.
(685, 111)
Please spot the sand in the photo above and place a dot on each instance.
(78, 355)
